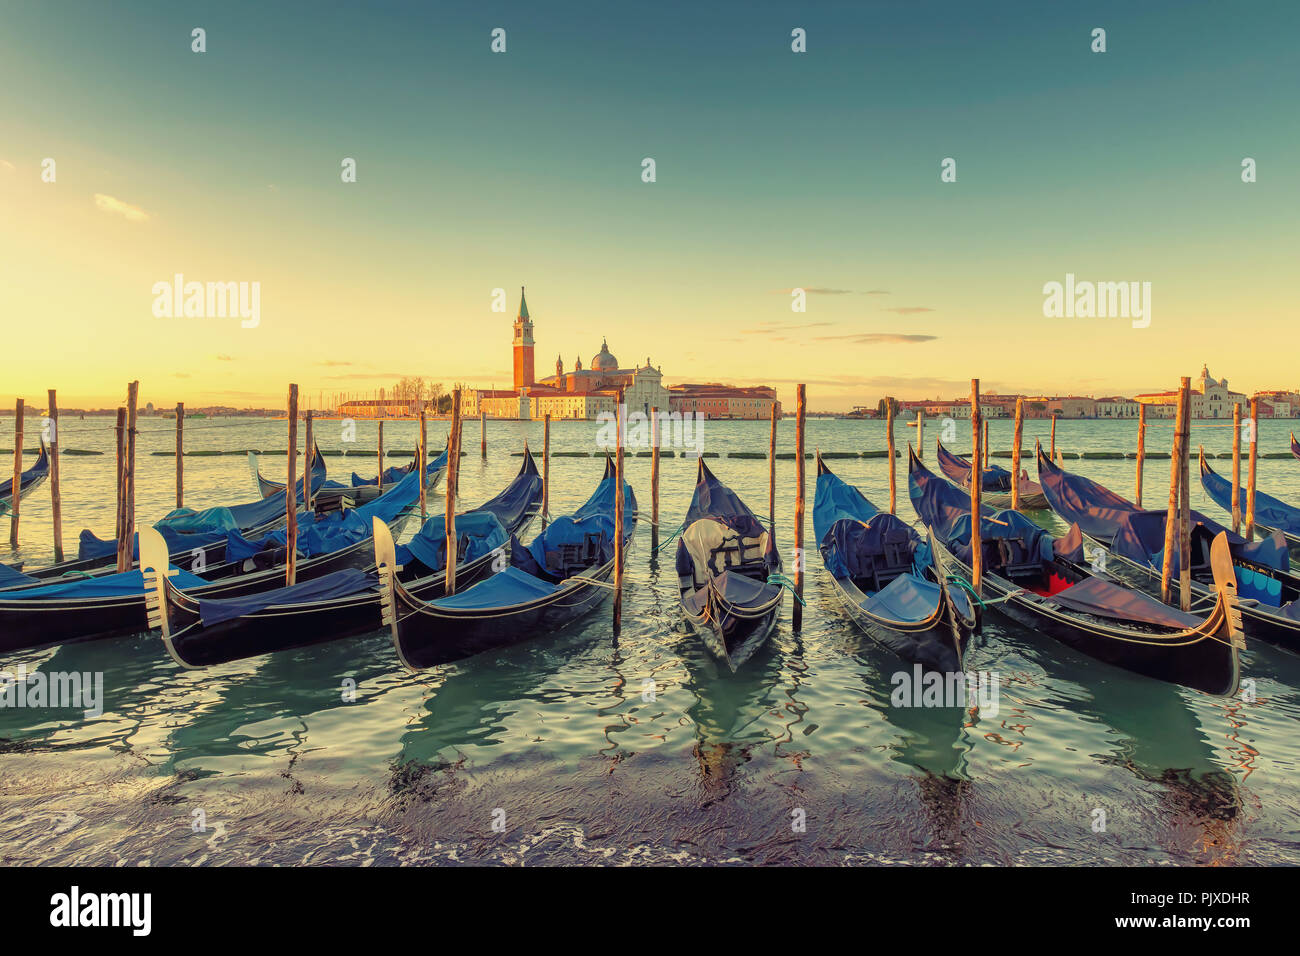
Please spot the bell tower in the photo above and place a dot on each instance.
(523, 345)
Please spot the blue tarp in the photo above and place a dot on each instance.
(104, 586)
(1269, 511)
(1140, 537)
(327, 587)
(835, 500)
(480, 533)
(11, 577)
(90, 546)
(512, 586)
(958, 469)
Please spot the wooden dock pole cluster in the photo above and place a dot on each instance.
(1015, 452)
(621, 426)
(654, 481)
(380, 457)
(1178, 517)
(56, 497)
(451, 481)
(546, 470)
(180, 454)
(1142, 451)
(291, 494)
(801, 398)
(1250, 480)
(15, 499)
(976, 483)
(889, 437)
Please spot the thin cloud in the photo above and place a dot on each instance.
(6, 165)
(111, 204)
(331, 363)
(813, 291)
(224, 358)
(770, 328)
(908, 309)
(877, 292)
(878, 338)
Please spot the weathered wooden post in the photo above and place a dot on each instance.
(291, 494)
(15, 499)
(801, 392)
(1053, 455)
(482, 430)
(985, 444)
(56, 499)
(654, 481)
(1236, 468)
(453, 479)
(119, 436)
(1015, 452)
(1185, 505)
(976, 486)
(1250, 472)
(1142, 451)
(128, 514)
(422, 464)
(546, 468)
(889, 437)
(771, 475)
(1172, 542)
(379, 456)
(920, 434)
(621, 423)
(180, 454)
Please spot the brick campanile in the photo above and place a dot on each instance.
(523, 345)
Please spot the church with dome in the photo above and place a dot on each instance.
(586, 393)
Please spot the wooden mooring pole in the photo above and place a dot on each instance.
(308, 455)
(920, 435)
(889, 438)
(16, 495)
(985, 444)
(482, 431)
(119, 437)
(291, 494)
(379, 455)
(546, 469)
(1015, 452)
(618, 514)
(126, 556)
(1250, 472)
(771, 474)
(421, 462)
(1053, 452)
(654, 481)
(1185, 505)
(453, 479)
(1172, 533)
(1236, 468)
(180, 454)
(976, 486)
(801, 417)
(56, 498)
(1142, 451)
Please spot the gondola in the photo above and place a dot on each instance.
(359, 490)
(266, 487)
(40, 612)
(28, 481)
(888, 578)
(725, 563)
(1043, 584)
(995, 488)
(1295, 446)
(1271, 514)
(561, 576)
(199, 630)
(1268, 594)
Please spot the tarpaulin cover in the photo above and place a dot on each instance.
(1135, 533)
(506, 589)
(478, 533)
(735, 590)
(89, 546)
(1102, 598)
(40, 468)
(334, 530)
(12, 577)
(958, 469)
(396, 473)
(236, 517)
(853, 549)
(104, 586)
(909, 598)
(835, 500)
(714, 500)
(1269, 511)
(327, 587)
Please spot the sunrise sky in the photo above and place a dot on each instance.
(774, 170)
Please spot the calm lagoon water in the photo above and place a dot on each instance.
(554, 741)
